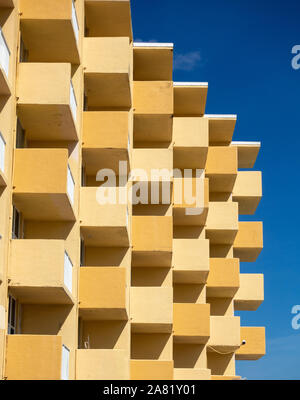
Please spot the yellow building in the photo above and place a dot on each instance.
(117, 290)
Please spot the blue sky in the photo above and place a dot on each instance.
(243, 50)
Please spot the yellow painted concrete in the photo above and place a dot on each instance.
(247, 191)
(189, 101)
(102, 364)
(152, 97)
(249, 241)
(255, 346)
(224, 333)
(221, 130)
(151, 309)
(186, 374)
(247, 153)
(33, 357)
(251, 292)
(191, 323)
(153, 63)
(103, 293)
(151, 370)
(223, 278)
(222, 222)
(221, 168)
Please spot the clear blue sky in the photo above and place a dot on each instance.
(243, 50)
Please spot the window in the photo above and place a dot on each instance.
(65, 363)
(20, 137)
(12, 316)
(2, 153)
(23, 51)
(73, 102)
(70, 185)
(75, 21)
(82, 253)
(4, 53)
(68, 273)
(17, 224)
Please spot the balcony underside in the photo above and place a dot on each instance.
(41, 295)
(99, 158)
(51, 40)
(44, 206)
(221, 182)
(182, 217)
(151, 258)
(221, 236)
(190, 100)
(152, 128)
(110, 236)
(189, 276)
(108, 92)
(46, 122)
(189, 157)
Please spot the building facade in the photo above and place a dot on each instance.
(118, 289)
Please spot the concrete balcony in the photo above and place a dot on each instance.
(151, 309)
(222, 222)
(251, 292)
(190, 201)
(106, 64)
(94, 364)
(103, 294)
(221, 168)
(152, 240)
(190, 261)
(149, 160)
(46, 102)
(152, 61)
(249, 241)
(104, 225)
(41, 272)
(225, 378)
(247, 191)
(191, 323)
(153, 98)
(247, 153)
(255, 346)
(105, 140)
(50, 30)
(151, 370)
(186, 374)
(4, 66)
(43, 186)
(33, 357)
(190, 99)
(221, 129)
(224, 278)
(190, 137)
(224, 334)
(108, 18)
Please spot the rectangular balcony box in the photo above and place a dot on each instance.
(151, 309)
(190, 260)
(190, 374)
(46, 102)
(190, 137)
(41, 272)
(190, 201)
(36, 357)
(43, 185)
(221, 168)
(108, 18)
(153, 97)
(152, 61)
(106, 140)
(247, 153)
(222, 222)
(255, 346)
(103, 293)
(99, 364)
(50, 30)
(224, 277)
(247, 191)
(224, 334)
(151, 370)
(104, 225)
(221, 129)
(152, 239)
(249, 241)
(191, 323)
(107, 73)
(251, 292)
(190, 99)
